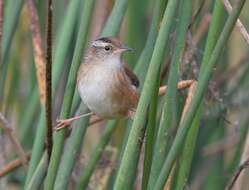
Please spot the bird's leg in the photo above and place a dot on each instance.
(181, 85)
(62, 123)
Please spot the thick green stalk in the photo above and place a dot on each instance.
(218, 167)
(134, 25)
(114, 21)
(141, 69)
(201, 89)
(150, 82)
(144, 59)
(187, 154)
(73, 147)
(213, 33)
(60, 54)
(185, 160)
(38, 147)
(243, 81)
(168, 118)
(150, 133)
(39, 174)
(142, 66)
(59, 137)
(95, 156)
(12, 13)
(28, 117)
(63, 42)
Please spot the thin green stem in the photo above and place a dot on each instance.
(188, 150)
(59, 137)
(73, 148)
(134, 140)
(12, 12)
(38, 147)
(95, 156)
(150, 134)
(168, 118)
(114, 21)
(39, 174)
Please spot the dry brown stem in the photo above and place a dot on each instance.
(5, 125)
(48, 99)
(202, 29)
(239, 24)
(181, 85)
(243, 166)
(1, 29)
(38, 50)
(13, 165)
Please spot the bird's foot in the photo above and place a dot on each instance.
(63, 123)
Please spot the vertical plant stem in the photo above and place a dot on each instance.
(134, 24)
(5, 125)
(73, 148)
(185, 160)
(150, 133)
(12, 12)
(150, 81)
(201, 89)
(38, 50)
(48, 102)
(64, 40)
(39, 174)
(168, 119)
(28, 117)
(95, 156)
(38, 147)
(144, 59)
(1, 28)
(59, 137)
(143, 63)
(187, 154)
(213, 34)
(114, 21)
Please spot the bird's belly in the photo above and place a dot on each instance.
(97, 96)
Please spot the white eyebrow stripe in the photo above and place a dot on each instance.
(99, 44)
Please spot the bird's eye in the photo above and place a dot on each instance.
(107, 48)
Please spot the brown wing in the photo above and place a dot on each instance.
(132, 76)
(124, 95)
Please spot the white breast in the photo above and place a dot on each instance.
(95, 91)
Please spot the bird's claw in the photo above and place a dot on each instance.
(62, 123)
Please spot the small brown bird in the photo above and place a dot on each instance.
(106, 84)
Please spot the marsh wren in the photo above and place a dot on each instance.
(105, 83)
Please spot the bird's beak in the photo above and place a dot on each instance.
(124, 49)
